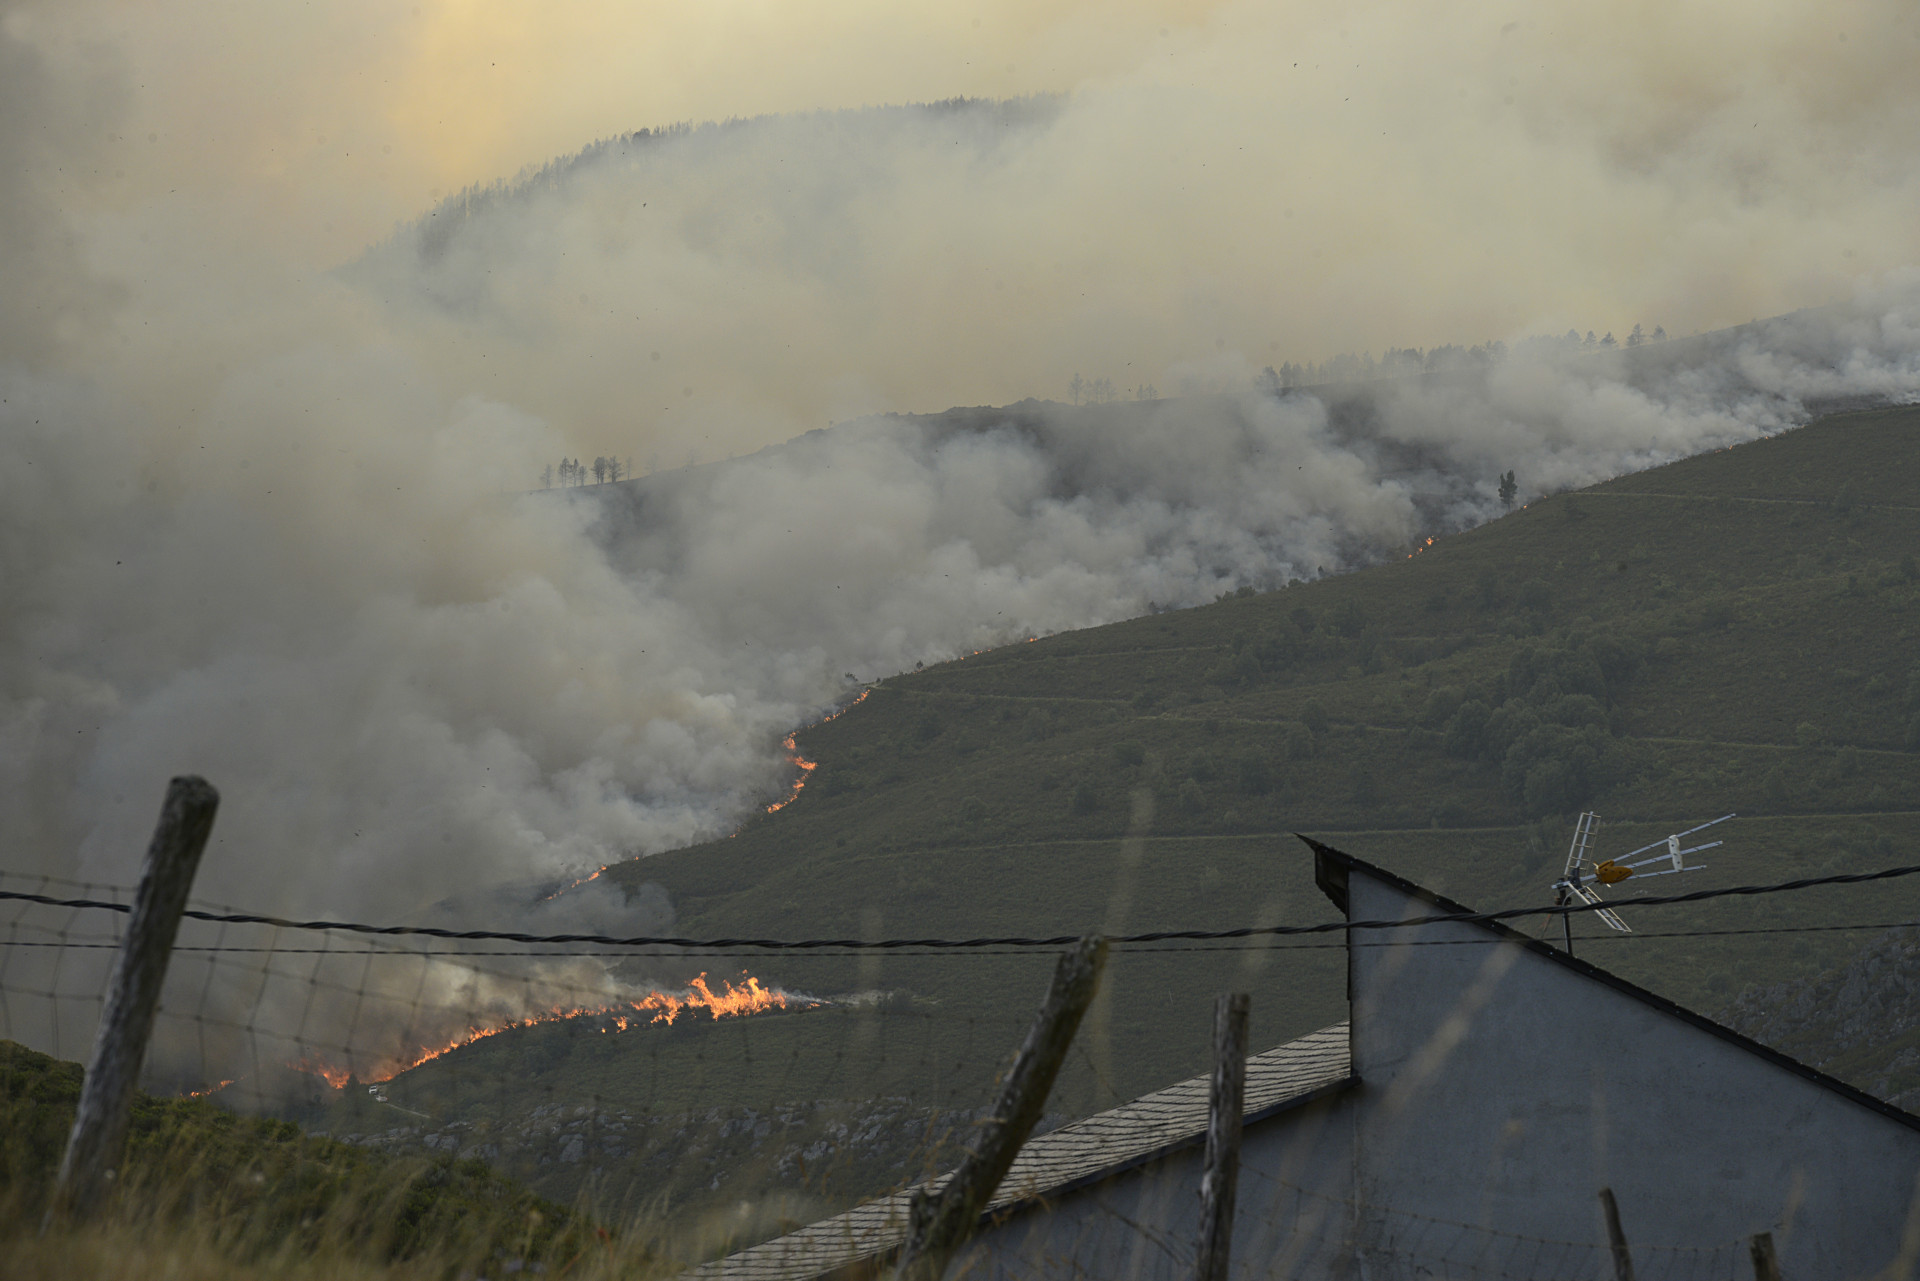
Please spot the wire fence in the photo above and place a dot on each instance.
(1289, 1232)
(594, 1075)
(787, 1078)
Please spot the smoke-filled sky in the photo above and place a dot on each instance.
(259, 457)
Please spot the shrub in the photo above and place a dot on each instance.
(1314, 716)
(1370, 651)
(1618, 657)
(1553, 769)
(1440, 706)
(1085, 799)
(1280, 650)
(1509, 723)
(1296, 741)
(1576, 711)
(1466, 731)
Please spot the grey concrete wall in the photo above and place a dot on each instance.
(1504, 1089)
(1291, 1217)
(1500, 1090)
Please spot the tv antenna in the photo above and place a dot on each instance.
(1582, 876)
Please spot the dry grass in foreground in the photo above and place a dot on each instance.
(206, 1194)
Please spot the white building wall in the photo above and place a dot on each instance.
(1503, 1088)
(1499, 1090)
(1292, 1216)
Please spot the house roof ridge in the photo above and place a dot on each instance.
(1334, 887)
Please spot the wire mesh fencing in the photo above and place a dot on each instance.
(1288, 1232)
(626, 1081)
(752, 1090)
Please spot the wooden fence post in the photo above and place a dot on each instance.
(940, 1222)
(1226, 1104)
(126, 1021)
(1766, 1264)
(1622, 1257)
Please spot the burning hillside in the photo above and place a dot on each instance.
(731, 1000)
(806, 766)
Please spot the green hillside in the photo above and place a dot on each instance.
(1733, 632)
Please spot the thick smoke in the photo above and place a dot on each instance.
(265, 517)
(460, 686)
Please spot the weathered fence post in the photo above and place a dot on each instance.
(1766, 1264)
(1622, 1257)
(940, 1222)
(1226, 1102)
(126, 1021)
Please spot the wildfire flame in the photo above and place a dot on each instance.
(211, 1089)
(732, 1001)
(806, 766)
(573, 885)
(1418, 548)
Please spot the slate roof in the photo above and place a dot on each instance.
(1072, 1156)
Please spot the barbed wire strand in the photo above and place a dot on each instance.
(1012, 941)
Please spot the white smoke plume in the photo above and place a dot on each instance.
(460, 686)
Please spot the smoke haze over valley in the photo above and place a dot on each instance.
(265, 460)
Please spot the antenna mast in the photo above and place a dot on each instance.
(1577, 882)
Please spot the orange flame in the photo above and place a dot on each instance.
(211, 1089)
(574, 886)
(793, 758)
(734, 1000)
(806, 766)
(337, 1077)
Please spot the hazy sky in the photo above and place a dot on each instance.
(1302, 177)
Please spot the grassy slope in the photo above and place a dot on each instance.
(1736, 631)
(1764, 595)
